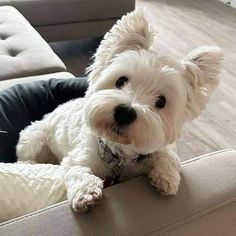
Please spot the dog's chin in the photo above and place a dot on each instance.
(117, 138)
(142, 144)
(113, 136)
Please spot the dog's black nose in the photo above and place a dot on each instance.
(124, 114)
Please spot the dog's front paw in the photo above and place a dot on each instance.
(87, 196)
(167, 184)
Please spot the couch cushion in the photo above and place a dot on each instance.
(204, 205)
(23, 52)
(46, 12)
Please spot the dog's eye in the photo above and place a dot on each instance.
(121, 82)
(161, 102)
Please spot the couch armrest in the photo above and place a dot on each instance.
(204, 205)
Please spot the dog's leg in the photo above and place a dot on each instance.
(164, 172)
(83, 188)
(32, 144)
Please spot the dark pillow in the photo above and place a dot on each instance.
(24, 103)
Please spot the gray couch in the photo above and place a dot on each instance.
(71, 19)
(23, 52)
(205, 204)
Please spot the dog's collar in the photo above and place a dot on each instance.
(115, 161)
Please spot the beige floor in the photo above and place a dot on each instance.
(183, 25)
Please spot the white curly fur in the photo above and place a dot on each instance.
(70, 133)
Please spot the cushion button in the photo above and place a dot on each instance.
(3, 37)
(12, 52)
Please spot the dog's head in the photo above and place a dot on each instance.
(140, 99)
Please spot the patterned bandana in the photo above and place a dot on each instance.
(115, 162)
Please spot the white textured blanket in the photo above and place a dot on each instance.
(25, 188)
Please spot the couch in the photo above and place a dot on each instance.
(71, 19)
(205, 204)
(23, 52)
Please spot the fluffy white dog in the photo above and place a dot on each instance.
(134, 109)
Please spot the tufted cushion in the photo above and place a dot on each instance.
(23, 52)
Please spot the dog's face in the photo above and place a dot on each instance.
(140, 99)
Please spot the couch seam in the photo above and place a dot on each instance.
(192, 217)
(206, 155)
(33, 214)
(77, 22)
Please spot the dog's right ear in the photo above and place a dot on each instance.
(131, 32)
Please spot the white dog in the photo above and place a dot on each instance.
(135, 107)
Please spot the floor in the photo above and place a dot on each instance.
(183, 25)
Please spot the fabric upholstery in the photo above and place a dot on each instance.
(75, 18)
(69, 11)
(23, 52)
(205, 205)
(77, 30)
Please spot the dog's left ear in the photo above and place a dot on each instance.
(201, 68)
(131, 32)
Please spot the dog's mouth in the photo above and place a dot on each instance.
(119, 130)
(116, 133)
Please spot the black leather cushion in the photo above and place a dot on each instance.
(24, 103)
